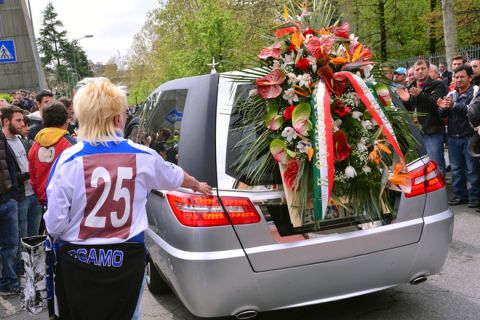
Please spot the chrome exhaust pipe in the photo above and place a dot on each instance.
(419, 279)
(247, 314)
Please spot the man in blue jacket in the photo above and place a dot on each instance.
(464, 166)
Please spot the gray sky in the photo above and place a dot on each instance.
(112, 22)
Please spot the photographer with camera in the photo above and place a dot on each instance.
(464, 166)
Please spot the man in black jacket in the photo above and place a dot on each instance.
(8, 221)
(464, 166)
(445, 74)
(43, 98)
(422, 98)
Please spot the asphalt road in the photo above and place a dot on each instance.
(452, 294)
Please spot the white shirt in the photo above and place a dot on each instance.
(97, 194)
(21, 157)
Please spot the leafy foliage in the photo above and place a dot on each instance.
(65, 60)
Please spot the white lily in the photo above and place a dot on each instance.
(289, 134)
(350, 172)
(356, 115)
(304, 80)
(290, 96)
(292, 78)
(303, 146)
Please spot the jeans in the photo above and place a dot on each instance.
(465, 169)
(434, 145)
(8, 244)
(29, 216)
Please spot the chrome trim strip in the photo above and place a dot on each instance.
(439, 217)
(194, 255)
(339, 297)
(333, 237)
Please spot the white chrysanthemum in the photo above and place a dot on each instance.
(290, 96)
(350, 172)
(356, 114)
(289, 134)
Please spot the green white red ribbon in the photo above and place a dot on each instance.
(372, 105)
(324, 167)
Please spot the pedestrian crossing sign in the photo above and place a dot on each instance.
(7, 51)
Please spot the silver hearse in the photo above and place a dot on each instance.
(237, 252)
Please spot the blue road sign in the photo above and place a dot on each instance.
(7, 51)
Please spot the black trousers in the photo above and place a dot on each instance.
(99, 282)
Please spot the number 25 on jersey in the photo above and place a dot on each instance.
(109, 191)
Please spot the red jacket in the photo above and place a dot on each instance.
(49, 144)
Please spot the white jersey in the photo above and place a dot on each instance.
(97, 194)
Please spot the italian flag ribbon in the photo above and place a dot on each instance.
(372, 105)
(324, 167)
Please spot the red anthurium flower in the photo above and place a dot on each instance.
(340, 146)
(287, 113)
(309, 31)
(335, 86)
(314, 46)
(342, 109)
(303, 64)
(269, 87)
(341, 32)
(291, 173)
(291, 48)
(271, 52)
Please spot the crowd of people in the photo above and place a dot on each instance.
(36, 129)
(33, 133)
(440, 100)
(44, 161)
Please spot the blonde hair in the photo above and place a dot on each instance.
(96, 103)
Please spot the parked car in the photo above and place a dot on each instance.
(237, 253)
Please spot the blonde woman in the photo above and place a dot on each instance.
(96, 194)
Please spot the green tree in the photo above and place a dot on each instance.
(181, 37)
(59, 56)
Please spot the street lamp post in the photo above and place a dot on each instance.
(75, 50)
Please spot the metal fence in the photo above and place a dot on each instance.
(470, 53)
